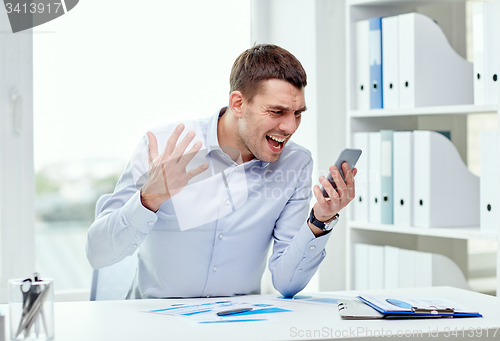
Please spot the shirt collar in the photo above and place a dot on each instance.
(212, 142)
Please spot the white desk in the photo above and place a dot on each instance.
(123, 320)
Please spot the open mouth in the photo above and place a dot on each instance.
(275, 143)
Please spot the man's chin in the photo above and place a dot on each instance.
(270, 158)
(267, 155)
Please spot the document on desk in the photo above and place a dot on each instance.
(208, 312)
(417, 307)
(318, 300)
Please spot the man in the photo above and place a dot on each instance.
(203, 212)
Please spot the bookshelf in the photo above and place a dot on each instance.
(466, 232)
(451, 242)
(440, 110)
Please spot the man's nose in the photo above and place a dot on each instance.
(288, 123)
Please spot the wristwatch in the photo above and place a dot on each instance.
(328, 226)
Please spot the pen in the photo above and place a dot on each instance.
(37, 320)
(233, 312)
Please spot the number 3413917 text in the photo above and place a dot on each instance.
(33, 8)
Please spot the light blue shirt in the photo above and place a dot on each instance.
(212, 238)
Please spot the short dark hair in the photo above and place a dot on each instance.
(263, 62)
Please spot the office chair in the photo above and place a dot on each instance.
(112, 282)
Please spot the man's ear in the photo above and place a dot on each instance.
(236, 103)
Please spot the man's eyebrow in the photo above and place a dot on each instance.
(282, 108)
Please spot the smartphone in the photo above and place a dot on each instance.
(349, 155)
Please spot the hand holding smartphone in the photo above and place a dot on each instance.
(349, 155)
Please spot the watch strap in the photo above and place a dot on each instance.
(322, 225)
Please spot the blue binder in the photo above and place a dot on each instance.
(376, 99)
(386, 177)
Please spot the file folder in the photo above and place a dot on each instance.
(410, 269)
(491, 51)
(446, 272)
(362, 63)
(407, 260)
(390, 65)
(374, 155)
(446, 193)
(423, 269)
(391, 267)
(386, 169)
(478, 42)
(360, 204)
(376, 267)
(431, 72)
(489, 182)
(403, 178)
(361, 266)
(376, 88)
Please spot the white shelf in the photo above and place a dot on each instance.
(450, 242)
(397, 3)
(440, 110)
(471, 232)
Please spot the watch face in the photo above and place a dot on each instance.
(328, 226)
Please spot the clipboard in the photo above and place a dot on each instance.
(358, 310)
(404, 307)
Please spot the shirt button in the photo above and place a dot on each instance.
(134, 245)
(312, 247)
(227, 202)
(300, 270)
(151, 223)
(215, 268)
(220, 236)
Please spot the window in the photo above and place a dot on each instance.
(103, 73)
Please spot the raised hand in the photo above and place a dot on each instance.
(167, 171)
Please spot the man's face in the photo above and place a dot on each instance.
(268, 122)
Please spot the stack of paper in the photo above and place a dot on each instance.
(227, 311)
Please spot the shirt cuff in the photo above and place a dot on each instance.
(139, 216)
(307, 241)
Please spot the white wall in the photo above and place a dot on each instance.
(290, 24)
